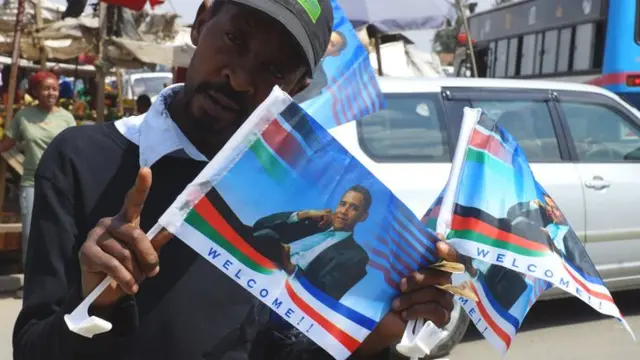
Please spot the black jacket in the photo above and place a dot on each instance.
(528, 223)
(335, 270)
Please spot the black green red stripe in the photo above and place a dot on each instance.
(206, 219)
(478, 226)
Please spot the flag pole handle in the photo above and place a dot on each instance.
(469, 121)
(421, 336)
(79, 320)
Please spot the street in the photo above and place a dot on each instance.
(9, 308)
(554, 330)
(565, 329)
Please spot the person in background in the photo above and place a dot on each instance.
(66, 87)
(35, 127)
(6, 73)
(143, 103)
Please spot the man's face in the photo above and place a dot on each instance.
(241, 55)
(350, 211)
(335, 44)
(553, 210)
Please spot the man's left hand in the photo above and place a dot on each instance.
(419, 298)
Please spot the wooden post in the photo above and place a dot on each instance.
(465, 24)
(13, 80)
(101, 71)
(120, 82)
(39, 25)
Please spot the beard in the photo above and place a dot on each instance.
(205, 123)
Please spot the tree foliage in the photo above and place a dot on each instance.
(444, 40)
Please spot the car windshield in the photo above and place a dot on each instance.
(150, 86)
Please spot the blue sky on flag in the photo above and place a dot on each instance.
(188, 8)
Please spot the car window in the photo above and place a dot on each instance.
(150, 86)
(529, 122)
(601, 134)
(410, 128)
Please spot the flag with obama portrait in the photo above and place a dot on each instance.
(290, 215)
(514, 240)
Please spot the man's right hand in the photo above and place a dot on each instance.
(117, 247)
(323, 217)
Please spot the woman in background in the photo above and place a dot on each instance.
(34, 127)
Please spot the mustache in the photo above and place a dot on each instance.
(240, 98)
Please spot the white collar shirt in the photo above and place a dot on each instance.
(156, 134)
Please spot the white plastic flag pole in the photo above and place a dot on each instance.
(469, 122)
(79, 320)
(420, 338)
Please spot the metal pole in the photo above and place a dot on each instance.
(465, 24)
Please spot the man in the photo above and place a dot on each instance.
(544, 222)
(320, 243)
(66, 88)
(538, 221)
(337, 43)
(143, 104)
(94, 202)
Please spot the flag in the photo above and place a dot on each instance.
(136, 5)
(400, 248)
(515, 240)
(344, 85)
(268, 191)
(496, 315)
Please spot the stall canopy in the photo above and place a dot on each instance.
(140, 38)
(8, 9)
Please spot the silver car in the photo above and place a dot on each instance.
(583, 143)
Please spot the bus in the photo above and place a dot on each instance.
(587, 41)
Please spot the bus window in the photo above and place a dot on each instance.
(501, 59)
(538, 54)
(583, 49)
(550, 51)
(528, 54)
(564, 50)
(512, 61)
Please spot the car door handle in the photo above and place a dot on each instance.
(597, 183)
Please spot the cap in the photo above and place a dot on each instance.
(309, 21)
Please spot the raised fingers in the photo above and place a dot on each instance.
(135, 198)
(138, 242)
(94, 259)
(124, 256)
